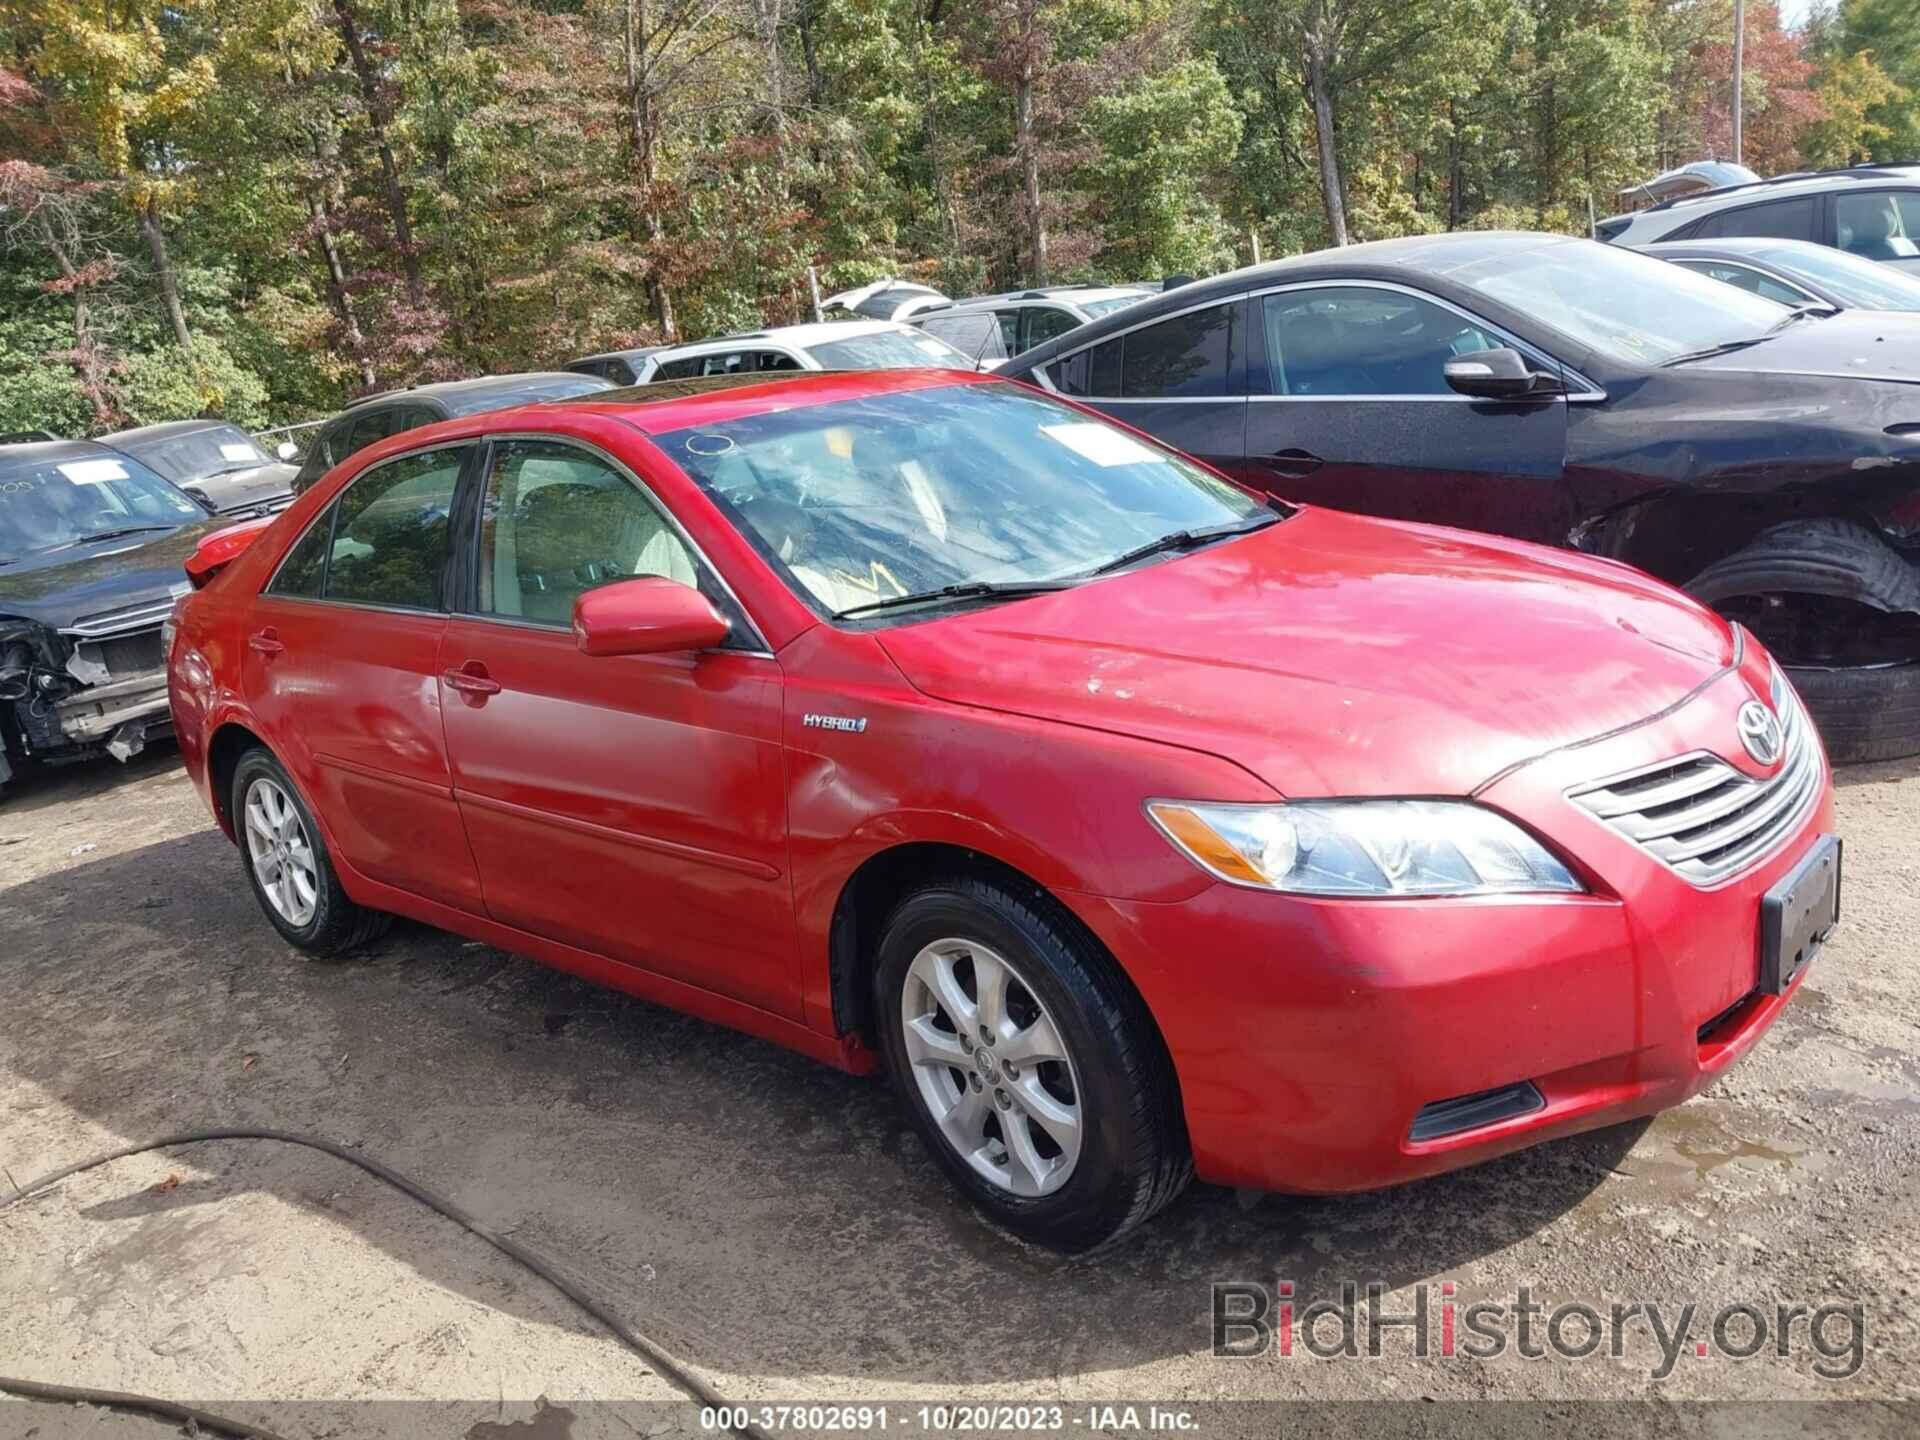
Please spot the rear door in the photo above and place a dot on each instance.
(1182, 379)
(1350, 408)
(341, 671)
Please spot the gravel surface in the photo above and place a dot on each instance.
(777, 1224)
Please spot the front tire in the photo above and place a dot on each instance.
(1028, 1064)
(287, 865)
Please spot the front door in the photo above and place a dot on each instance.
(1355, 413)
(634, 806)
(341, 671)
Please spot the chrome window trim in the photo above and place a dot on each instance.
(266, 591)
(647, 493)
(1807, 297)
(1590, 393)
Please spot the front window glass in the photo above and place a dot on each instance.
(891, 495)
(1864, 284)
(888, 350)
(199, 454)
(1044, 323)
(392, 533)
(1627, 305)
(1358, 340)
(1882, 225)
(557, 522)
(68, 500)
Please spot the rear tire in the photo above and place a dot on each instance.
(1863, 712)
(287, 865)
(1071, 1187)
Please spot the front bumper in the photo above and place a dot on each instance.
(1308, 1034)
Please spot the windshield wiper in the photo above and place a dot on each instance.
(1798, 312)
(964, 590)
(119, 534)
(1182, 540)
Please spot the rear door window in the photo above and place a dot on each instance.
(1782, 219)
(1189, 355)
(682, 369)
(392, 532)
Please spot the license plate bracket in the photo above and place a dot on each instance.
(1797, 914)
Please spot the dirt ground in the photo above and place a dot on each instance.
(777, 1224)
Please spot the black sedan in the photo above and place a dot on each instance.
(1766, 458)
(213, 461)
(1795, 272)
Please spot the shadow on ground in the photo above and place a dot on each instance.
(764, 1214)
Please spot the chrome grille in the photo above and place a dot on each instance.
(1703, 817)
(132, 617)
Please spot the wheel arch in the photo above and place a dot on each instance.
(876, 885)
(229, 741)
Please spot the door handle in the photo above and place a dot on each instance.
(472, 680)
(1294, 463)
(266, 642)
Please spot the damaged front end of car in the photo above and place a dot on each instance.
(95, 687)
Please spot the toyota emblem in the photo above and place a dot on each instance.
(1760, 732)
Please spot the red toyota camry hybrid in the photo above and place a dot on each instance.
(1136, 826)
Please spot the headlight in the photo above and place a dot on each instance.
(1363, 847)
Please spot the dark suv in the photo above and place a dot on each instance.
(1764, 458)
(378, 416)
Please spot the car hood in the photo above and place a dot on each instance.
(70, 585)
(1336, 655)
(246, 489)
(1857, 344)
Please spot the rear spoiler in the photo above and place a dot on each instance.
(220, 549)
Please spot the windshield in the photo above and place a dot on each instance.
(197, 454)
(1863, 284)
(888, 350)
(902, 494)
(62, 501)
(1096, 308)
(1627, 305)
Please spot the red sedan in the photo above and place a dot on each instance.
(1137, 826)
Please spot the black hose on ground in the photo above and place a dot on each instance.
(665, 1365)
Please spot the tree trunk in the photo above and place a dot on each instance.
(86, 358)
(1455, 205)
(163, 271)
(1027, 145)
(378, 120)
(337, 287)
(642, 127)
(1326, 138)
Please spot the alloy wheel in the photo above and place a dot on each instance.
(992, 1067)
(282, 853)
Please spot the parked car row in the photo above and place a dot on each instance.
(1766, 458)
(927, 722)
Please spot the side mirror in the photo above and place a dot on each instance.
(651, 615)
(287, 450)
(1501, 374)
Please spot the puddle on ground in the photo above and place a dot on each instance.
(1704, 1144)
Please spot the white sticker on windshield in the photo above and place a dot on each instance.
(1101, 445)
(93, 472)
(239, 452)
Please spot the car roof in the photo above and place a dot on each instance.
(456, 391)
(801, 335)
(1039, 292)
(1737, 245)
(168, 429)
(638, 352)
(49, 451)
(668, 405)
(1797, 182)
